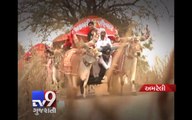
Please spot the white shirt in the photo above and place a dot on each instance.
(104, 42)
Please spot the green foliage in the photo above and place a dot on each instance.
(148, 44)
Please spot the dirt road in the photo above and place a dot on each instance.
(101, 106)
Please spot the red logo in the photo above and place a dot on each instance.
(158, 88)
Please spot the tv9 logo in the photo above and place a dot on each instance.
(43, 99)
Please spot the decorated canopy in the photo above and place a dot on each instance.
(81, 28)
(38, 49)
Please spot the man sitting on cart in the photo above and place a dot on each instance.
(104, 45)
(102, 42)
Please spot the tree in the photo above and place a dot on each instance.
(46, 16)
(49, 15)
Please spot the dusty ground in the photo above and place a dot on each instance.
(99, 105)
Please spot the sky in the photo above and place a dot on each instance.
(162, 34)
(163, 39)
